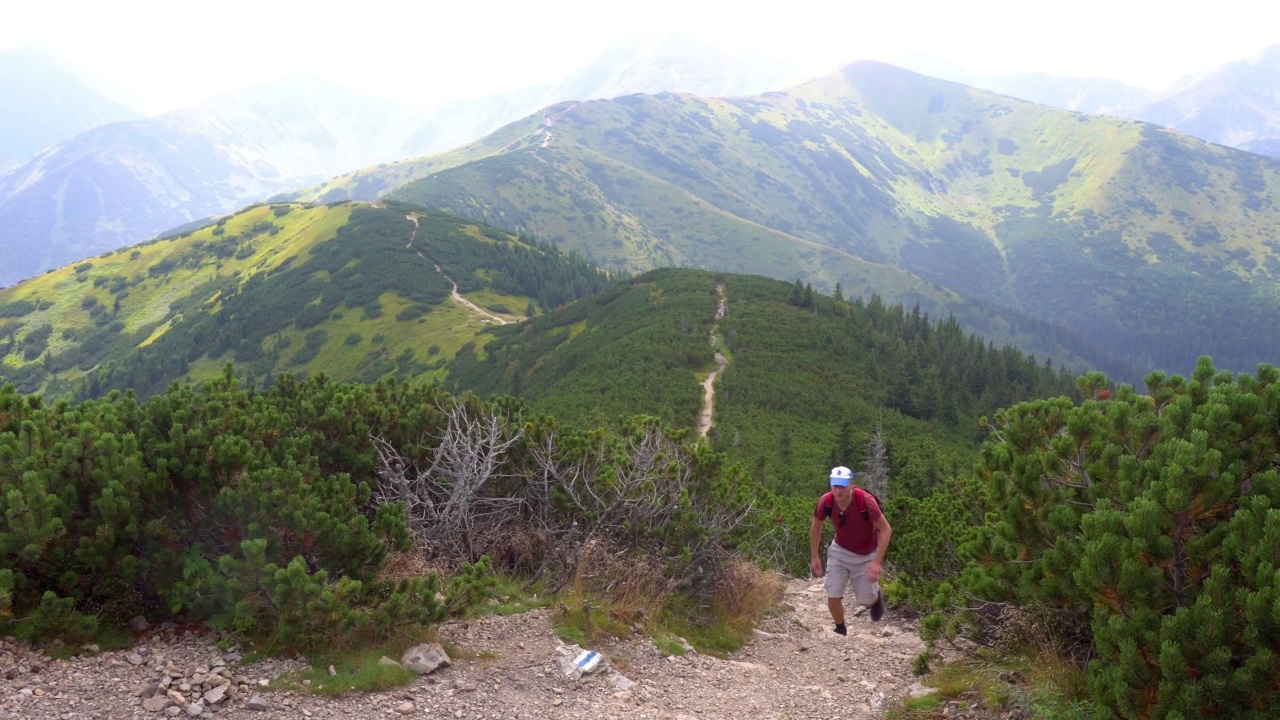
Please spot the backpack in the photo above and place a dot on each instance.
(859, 502)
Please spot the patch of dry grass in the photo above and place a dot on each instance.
(745, 592)
(632, 585)
(406, 565)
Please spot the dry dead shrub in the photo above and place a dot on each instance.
(632, 583)
(1036, 630)
(407, 565)
(744, 592)
(514, 549)
(1018, 628)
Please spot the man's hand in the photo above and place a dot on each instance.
(815, 564)
(873, 570)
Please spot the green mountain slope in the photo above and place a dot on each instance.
(808, 378)
(1154, 245)
(355, 291)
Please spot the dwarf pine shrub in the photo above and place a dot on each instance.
(1149, 527)
(240, 509)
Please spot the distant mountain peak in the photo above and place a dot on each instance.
(656, 62)
(46, 101)
(1236, 103)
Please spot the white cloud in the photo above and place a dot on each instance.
(171, 54)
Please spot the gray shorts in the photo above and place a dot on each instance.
(846, 569)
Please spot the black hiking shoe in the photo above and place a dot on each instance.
(877, 610)
(841, 629)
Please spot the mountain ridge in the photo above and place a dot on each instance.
(1235, 104)
(979, 193)
(111, 188)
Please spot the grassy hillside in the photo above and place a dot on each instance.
(1153, 245)
(354, 291)
(809, 377)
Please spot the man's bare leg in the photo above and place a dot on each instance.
(836, 606)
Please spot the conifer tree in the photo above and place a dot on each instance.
(797, 294)
(1151, 522)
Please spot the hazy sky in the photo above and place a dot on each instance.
(168, 54)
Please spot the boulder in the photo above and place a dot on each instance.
(918, 690)
(147, 690)
(622, 683)
(216, 695)
(156, 704)
(576, 662)
(426, 658)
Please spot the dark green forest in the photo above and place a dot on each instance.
(810, 377)
(633, 348)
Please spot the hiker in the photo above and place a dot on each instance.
(859, 547)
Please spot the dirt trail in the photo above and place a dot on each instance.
(414, 236)
(795, 667)
(709, 394)
(454, 294)
(548, 122)
(708, 385)
(457, 297)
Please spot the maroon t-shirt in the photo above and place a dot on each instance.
(854, 534)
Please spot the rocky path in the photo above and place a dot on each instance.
(709, 385)
(414, 236)
(548, 122)
(796, 667)
(709, 394)
(457, 297)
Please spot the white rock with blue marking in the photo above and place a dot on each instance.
(576, 662)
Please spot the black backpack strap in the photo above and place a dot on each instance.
(860, 498)
(828, 501)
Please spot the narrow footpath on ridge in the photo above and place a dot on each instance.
(708, 385)
(548, 122)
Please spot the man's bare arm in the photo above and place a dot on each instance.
(815, 537)
(883, 533)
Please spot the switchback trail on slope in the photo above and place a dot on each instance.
(454, 295)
